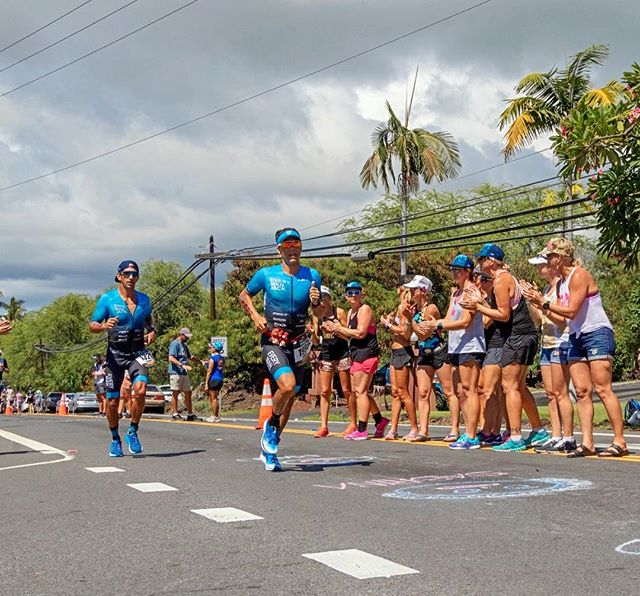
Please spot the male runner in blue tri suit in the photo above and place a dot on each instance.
(125, 314)
(288, 289)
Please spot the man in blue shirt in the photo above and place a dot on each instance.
(179, 359)
(125, 314)
(288, 290)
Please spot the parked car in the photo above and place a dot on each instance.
(82, 402)
(154, 401)
(166, 390)
(51, 401)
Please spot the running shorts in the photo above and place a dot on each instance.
(115, 368)
(280, 360)
(493, 357)
(333, 365)
(402, 357)
(519, 349)
(215, 384)
(435, 358)
(460, 359)
(369, 366)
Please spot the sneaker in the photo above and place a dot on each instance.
(505, 436)
(562, 446)
(391, 435)
(270, 461)
(380, 428)
(464, 443)
(547, 445)
(133, 442)
(510, 445)
(193, 418)
(538, 437)
(216, 419)
(484, 438)
(269, 441)
(351, 428)
(322, 432)
(356, 435)
(115, 449)
(176, 416)
(126, 415)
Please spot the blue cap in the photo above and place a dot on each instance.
(353, 285)
(491, 250)
(218, 346)
(462, 261)
(286, 234)
(127, 265)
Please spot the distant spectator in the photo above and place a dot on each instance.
(5, 325)
(4, 367)
(179, 358)
(99, 383)
(215, 378)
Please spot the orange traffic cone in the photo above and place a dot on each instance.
(63, 410)
(266, 405)
(8, 410)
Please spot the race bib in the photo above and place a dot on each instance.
(146, 359)
(301, 350)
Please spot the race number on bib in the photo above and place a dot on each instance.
(301, 350)
(146, 359)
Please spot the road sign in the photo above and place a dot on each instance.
(223, 340)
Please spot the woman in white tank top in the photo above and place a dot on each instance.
(591, 344)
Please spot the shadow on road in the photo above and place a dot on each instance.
(170, 454)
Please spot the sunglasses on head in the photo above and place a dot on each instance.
(354, 292)
(291, 244)
(129, 274)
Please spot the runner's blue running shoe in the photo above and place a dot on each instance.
(270, 461)
(133, 443)
(464, 442)
(538, 437)
(269, 441)
(510, 445)
(115, 449)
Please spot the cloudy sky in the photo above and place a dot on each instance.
(288, 157)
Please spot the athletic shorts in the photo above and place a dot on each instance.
(280, 360)
(116, 365)
(402, 357)
(493, 357)
(215, 384)
(594, 345)
(520, 349)
(549, 356)
(369, 366)
(435, 358)
(460, 359)
(333, 365)
(179, 383)
(99, 388)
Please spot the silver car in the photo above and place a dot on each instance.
(82, 402)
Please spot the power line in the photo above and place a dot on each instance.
(107, 45)
(17, 41)
(240, 101)
(55, 43)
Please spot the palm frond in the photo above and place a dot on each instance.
(582, 62)
(603, 96)
(534, 82)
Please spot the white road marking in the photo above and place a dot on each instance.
(359, 564)
(151, 487)
(226, 514)
(35, 446)
(104, 470)
(629, 548)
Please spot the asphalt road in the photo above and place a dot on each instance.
(449, 522)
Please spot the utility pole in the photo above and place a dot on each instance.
(212, 281)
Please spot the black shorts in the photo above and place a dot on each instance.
(460, 359)
(279, 360)
(434, 358)
(214, 385)
(402, 357)
(520, 349)
(115, 367)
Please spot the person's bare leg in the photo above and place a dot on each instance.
(469, 374)
(396, 401)
(511, 382)
(326, 388)
(136, 403)
(113, 411)
(213, 400)
(529, 403)
(402, 379)
(283, 397)
(445, 376)
(350, 396)
(174, 401)
(601, 378)
(491, 378)
(560, 380)
(187, 402)
(424, 380)
(581, 377)
(552, 397)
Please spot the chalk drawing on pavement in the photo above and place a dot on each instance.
(489, 489)
(629, 548)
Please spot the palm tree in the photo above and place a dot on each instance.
(15, 309)
(417, 154)
(547, 98)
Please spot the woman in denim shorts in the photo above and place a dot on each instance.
(554, 364)
(591, 344)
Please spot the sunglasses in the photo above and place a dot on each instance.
(290, 244)
(353, 292)
(485, 280)
(456, 269)
(131, 274)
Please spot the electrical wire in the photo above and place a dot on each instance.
(17, 41)
(103, 47)
(240, 101)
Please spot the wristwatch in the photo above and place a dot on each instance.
(439, 326)
(546, 305)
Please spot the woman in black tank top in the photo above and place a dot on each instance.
(334, 357)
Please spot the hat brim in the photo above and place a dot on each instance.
(539, 260)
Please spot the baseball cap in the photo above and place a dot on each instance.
(420, 281)
(491, 250)
(127, 265)
(325, 290)
(539, 259)
(462, 261)
(286, 234)
(353, 285)
(218, 346)
(185, 331)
